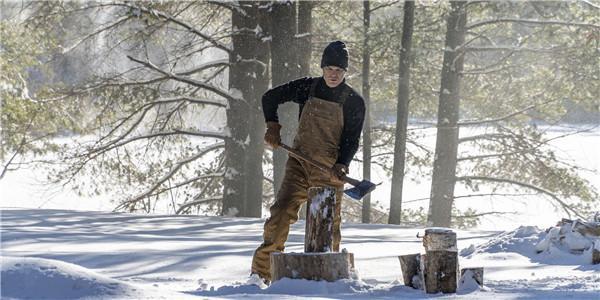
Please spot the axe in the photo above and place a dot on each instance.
(360, 189)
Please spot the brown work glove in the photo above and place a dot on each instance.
(273, 135)
(338, 171)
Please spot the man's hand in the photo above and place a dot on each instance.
(338, 172)
(273, 135)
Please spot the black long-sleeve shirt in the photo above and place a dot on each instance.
(298, 91)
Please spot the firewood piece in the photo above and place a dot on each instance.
(476, 273)
(440, 271)
(438, 238)
(583, 227)
(319, 219)
(596, 253)
(330, 266)
(411, 267)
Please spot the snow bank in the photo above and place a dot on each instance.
(37, 278)
(559, 245)
(522, 241)
(292, 287)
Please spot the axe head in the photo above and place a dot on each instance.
(360, 190)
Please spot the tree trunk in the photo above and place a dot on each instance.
(402, 114)
(304, 46)
(284, 68)
(304, 40)
(242, 187)
(366, 92)
(444, 165)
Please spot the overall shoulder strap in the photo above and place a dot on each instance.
(313, 87)
(345, 94)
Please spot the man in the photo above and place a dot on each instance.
(331, 119)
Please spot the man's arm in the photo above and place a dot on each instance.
(354, 116)
(296, 91)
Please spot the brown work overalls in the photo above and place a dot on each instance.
(319, 133)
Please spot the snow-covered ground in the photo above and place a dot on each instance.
(58, 245)
(64, 254)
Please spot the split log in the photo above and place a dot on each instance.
(411, 270)
(475, 273)
(319, 219)
(439, 239)
(440, 271)
(330, 266)
(440, 267)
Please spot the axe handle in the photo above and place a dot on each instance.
(315, 163)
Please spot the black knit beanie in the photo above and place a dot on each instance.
(335, 54)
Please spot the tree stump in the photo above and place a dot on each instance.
(411, 270)
(475, 273)
(330, 266)
(319, 262)
(440, 266)
(319, 219)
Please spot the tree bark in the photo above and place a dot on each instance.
(444, 165)
(319, 219)
(312, 266)
(284, 68)
(304, 40)
(440, 270)
(411, 267)
(366, 93)
(439, 239)
(242, 188)
(402, 114)
(304, 46)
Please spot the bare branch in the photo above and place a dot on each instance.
(531, 21)
(181, 23)
(386, 4)
(212, 64)
(479, 122)
(568, 209)
(107, 27)
(188, 181)
(193, 82)
(489, 136)
(485, 214)
(169, 175)
(196, 202)
(513, 49)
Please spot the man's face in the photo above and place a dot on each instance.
(333, 75)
